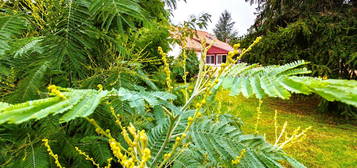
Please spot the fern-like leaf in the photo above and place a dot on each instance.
(77, 103)
(118, 13)
(10, 26)
(28, 87)
(218, 143)
(281, 81)
(26, 46)
(137, 99)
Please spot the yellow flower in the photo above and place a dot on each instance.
(198, 114)
(54, 91)
(50, 152)
(238, 158)
(87, 157)
(100, 87)
(190, 119)
(236, 46)
(203, 102)
(178, 139)
(109, 163)
(166, 69)
(132, 129)
(167, 156)
(198, 105)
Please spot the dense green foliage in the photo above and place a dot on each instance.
(206, 135)
(97, 59)
(224, 29)
(321, 32)
(76, 43)
(191, 64)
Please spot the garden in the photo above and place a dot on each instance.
(91, 83)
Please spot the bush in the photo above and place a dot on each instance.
(192, 67)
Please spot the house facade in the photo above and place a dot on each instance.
(216, 54)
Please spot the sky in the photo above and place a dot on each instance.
(242, 12)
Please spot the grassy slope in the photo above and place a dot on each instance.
(327, 144)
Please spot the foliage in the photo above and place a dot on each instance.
(128, 120)
(191, 64)
(278, 81)
(224, 30)
(328, 144)
(218, 143)
(82, 103)
(56, 42)
(321, 32)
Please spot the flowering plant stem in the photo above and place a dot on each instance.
(167, 139)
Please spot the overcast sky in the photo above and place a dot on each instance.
(242, 12)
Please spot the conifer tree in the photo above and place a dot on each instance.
(224, 30)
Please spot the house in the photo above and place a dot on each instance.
(216, 54)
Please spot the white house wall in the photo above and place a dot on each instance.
(175, 50)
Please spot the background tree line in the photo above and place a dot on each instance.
(321, 32)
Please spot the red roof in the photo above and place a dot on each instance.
(217, 47)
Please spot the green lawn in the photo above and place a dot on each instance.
(327, 144)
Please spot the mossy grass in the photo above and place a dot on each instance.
(330, 142)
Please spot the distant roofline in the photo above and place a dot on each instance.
(195, 42)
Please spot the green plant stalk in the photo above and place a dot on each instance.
(167, 139)
(199, 88)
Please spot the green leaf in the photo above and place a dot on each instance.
(26, 46)
(218, 143)
(280, 81)
(86, 106)
(137, 99)
(28, 87)
(4, 105)
(117, 12)
(77, 103)
(10, 26)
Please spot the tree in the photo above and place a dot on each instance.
(107, 110)
(58, 43)
(224, 30)
(322, 32)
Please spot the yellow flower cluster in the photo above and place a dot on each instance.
(231, 54)
(244, 51)
(137, 155)
(100, 87)
(55, 92)
(325, 77)
(138, 150)
(50, 152)
(7, 84)
(293, 138)
(166, 69)
(109, 161)
(259, 112)
(87, 157)
(38, 10)
(238, 158)
(230, 59)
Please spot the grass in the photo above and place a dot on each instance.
(327, 144)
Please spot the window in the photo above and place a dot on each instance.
(224, 58)
(209, 59)
(221, 59)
